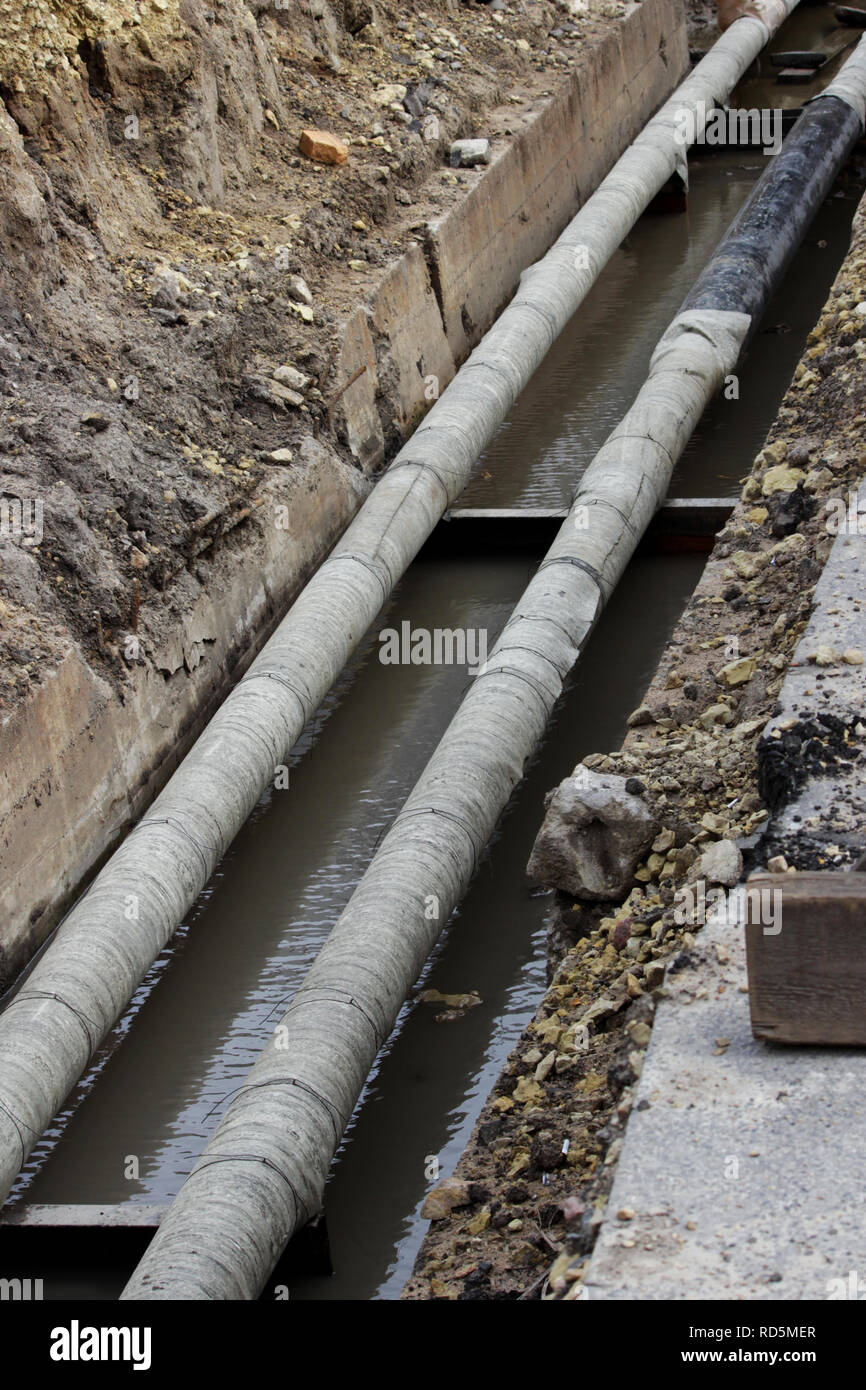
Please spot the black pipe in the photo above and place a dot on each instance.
(761, 241)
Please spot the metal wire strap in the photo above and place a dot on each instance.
(624, 517)
(429, 467)
(448, 815)
(644, 438)
(19, 1126)
(85, 1022)
(206, 1162)
(361, 560)
(336, 997)
(491, 367)
(282, 680)
(518, 616)
(580, 564)
(179, 826)
(522, 676)
(522, 647)
(546, 318)
(327, 1105)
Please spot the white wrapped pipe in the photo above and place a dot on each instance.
(849, 84)
(262, 1174)
(108, 942)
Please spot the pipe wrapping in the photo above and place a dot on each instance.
(849, 84)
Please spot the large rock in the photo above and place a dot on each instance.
(592, 837)
(465, 154)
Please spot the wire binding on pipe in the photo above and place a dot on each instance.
(578, 563)
(368, 565)
(86, 1023)
(538, 618)
(19, 1126)
(253, 1158)
(335, 996)
(547, 320)
(447, 815)
(181, 829)
(533, 651)
(624, 517)
(283, 680)
(534, 685)
(333, 1112)
(647, 438)
(327, 1105)
(428, 467)
(484, 365)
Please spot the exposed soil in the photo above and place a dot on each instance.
(533, 1200)
(155, 213)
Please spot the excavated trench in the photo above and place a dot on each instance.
(143, 1113)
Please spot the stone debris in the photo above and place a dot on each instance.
(738, 672)
(289, 376)
(782, 478)
(391, 94)
(720, 863)
(447, 1197)
(322, 146)
(593, 835)
(298, 289)
(465, 154)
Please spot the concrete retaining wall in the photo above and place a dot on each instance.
(85, 763)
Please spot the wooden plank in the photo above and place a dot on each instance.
(789, 76)
(850, 17)
(680, 523)
(507, 514)
(693, 516)
(806, 957)
(806, 58)
(129, 1215)
(699, 512)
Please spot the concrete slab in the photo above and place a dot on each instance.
(743, 1163)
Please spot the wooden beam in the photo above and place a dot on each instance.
(806, 957)
(680, 522)
(81, 1215)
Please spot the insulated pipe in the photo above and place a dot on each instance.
(262, 1175)
(78, 990)
(761, 241)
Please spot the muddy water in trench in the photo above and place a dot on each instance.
(209, 1004)
(256, 930)
(226, 977)
(598, 364)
